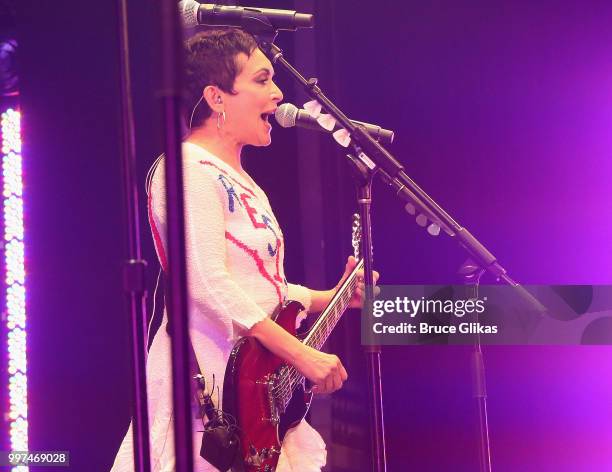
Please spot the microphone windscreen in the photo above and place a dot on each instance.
(188, 10)
(286, 114)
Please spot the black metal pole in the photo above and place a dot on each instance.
(377, 158)
(134, 267)
(392, 172)
(471, 272)
(363, 177)
(480, 393)
(170, 96)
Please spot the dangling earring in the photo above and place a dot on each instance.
(219, 124)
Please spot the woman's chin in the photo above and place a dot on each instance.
(263, 141)
(261, 137)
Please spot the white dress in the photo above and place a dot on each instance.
(235, 274)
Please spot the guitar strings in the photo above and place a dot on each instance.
(292, 378)
(320, 334)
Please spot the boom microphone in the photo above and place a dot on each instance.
(288, 115)
(195, 14)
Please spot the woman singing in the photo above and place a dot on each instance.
(234, 248)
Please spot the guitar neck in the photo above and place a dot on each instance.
(329, 318)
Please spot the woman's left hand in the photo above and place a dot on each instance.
(359, 293)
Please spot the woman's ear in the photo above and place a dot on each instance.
(214, 98)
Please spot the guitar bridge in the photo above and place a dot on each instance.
(269, 382)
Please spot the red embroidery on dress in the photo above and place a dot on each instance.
(156, 237)
(251, 212)
(258, 261)
(279, 243)
(208, 163)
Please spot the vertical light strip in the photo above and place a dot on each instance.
(15, 281)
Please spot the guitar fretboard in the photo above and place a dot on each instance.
(325, 324)
(329, 318)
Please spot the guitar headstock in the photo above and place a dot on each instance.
(356, 236)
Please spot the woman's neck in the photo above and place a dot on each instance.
(211, 139)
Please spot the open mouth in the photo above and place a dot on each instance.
(266, 115)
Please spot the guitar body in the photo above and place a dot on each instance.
(267, 396)
(250, 389)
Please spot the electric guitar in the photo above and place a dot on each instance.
(267, 396)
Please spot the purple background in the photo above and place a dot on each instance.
(502, 112)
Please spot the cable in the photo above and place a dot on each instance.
(153, 310)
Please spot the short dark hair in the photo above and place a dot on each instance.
(210, 59)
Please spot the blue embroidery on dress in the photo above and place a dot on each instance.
(271, 251)
(267, 221)
(231, 193)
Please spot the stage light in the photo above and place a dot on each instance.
(12, 193)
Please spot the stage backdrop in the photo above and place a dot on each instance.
(501, 112)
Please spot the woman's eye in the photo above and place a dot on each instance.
(262, 81)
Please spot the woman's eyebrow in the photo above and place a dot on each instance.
(265, 70)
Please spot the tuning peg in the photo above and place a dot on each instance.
(410, 208)
(421, 220)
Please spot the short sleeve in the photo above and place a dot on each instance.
(300, 294)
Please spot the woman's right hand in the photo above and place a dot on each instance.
(324, 370)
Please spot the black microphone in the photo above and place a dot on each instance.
(288, 115)
(195, 14)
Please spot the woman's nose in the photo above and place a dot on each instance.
(277, 94)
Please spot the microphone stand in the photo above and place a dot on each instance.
(471, 273)
(363, 179)
(259, 26)
(178, 318)
(134, 268)
(376, 158)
